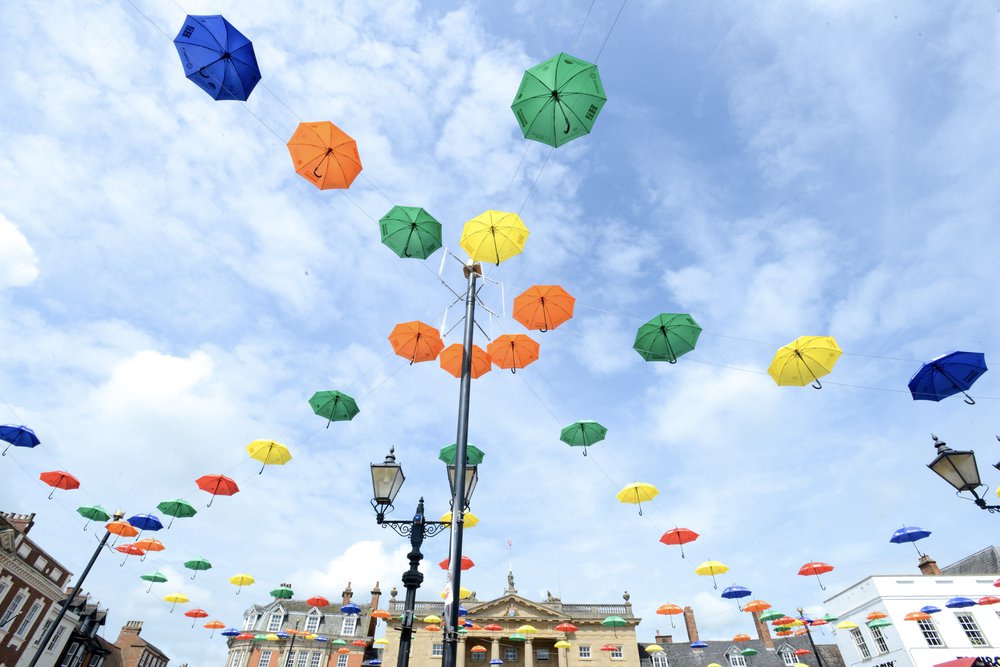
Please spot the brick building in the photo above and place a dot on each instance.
(136, 651)
(32, 586)
(84, 648)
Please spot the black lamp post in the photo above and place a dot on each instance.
(812, 644)
(387, 479)
(959, 469)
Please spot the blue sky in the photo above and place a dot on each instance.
(174, 290)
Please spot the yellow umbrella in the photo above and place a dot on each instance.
(494, 236)
(562, 643)
(527, 630)
(796, 623)
(714, 664)
(381, 641)
(241, 580)
(432, 619)
(269, 453)
(804, 360)
(846, 625)
(271, 637)
(637, 492)
(463, 593)
(470, 519)
(711, 568)
(174, 598)
(311, 636)
(654, 648)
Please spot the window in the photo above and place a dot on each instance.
(74, 655)
(265, 659)
(41, 633)
(96, 661)
(788, 657)
(303, 657)
(4, 584)
(437, 650)
(659, 659)
(250, 622)
(55, 574)
(509, 654)
(274, 622)
(931, 635)
(350, 624)
(312, 622)
(584, 652)
(12, 609)
(314, 658)
(342, 660)
(40, 563)
(971, 628)
(859, 642)
(55, 638)
(617, 653)
(234, 658)
(29, 619)
(735, 658)
(879, 638)
(542, 654)
(481, 657)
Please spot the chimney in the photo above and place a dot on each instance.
(663, 639)
(692, 628)
(131, 628)
(22, 523)
(928, 566)
(347, 594)
(762, 631)
(372, 621)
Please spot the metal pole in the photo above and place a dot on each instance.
(819, 661)
(76, 590)
(412, 579)
(450, 630)
(291, 645)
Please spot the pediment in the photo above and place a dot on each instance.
(514, 606)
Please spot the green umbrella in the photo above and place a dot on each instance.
(666, 337)
(517, 637)
(410, 231)
(282, 593)
(340, 642)
(559, 100)
(93, 513)
(473, 455)
(748, 651)
(177, 509)
(830, 618)
(462, 631)
(333, 405)
(198, 565)
(782, 628)
(879, 623)
(614, 622)
(260, 637)
(583, 434)
(153, 578)
(770, 615)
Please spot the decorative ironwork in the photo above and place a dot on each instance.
(405, 528)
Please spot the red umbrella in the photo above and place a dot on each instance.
(129, 550)
(802, 651)
(609, 647)
(58, 479)
(196, 614)
(566, 627)
(679, 537)
(319, 601)
(359, 642)
(244, 635)
(493, 627)
(784, 620)
(217, 485)
(989, 599)
(815, 568)
(466, 563)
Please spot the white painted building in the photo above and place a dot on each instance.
(949, 634)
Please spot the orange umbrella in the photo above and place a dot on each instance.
(543, 307)
(875, 615)
(343, 650)
(783, 633)
(149, 544)
(451, 360)
(213, 626)
(513, 351)
(324, 155)
(381, 613)
(669, 610)
(741, 638)
(478, 649)
(756, 605)
(416, 341)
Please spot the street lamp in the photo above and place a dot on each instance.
(471, 479)
(802, 617)
(959, 469)
(387, 479)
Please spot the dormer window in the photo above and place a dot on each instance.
(349, 626)
(275, 620)
(735, 658)
(251, 621)
(312, 621)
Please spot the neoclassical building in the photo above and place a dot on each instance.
(511, 611)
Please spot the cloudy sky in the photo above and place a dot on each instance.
(173, 290)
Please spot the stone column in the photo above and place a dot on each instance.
(529, 653)
(495, 649)
(460, 662)
(560, 659)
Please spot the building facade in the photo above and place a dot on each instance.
(134, 650)
(949, 634)
(511, 611)
(31, 589)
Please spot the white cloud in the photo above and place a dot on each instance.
(18, 263)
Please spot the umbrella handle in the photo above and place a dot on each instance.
(123, 561)
(50, 493)
(150, 587)
(585, 450)
(211, 501)
(5, 450)
(640, 514)
(968, 399)
(192, 579)
(715, 585)
(86, 524)
(822, 587)
(171, 523)
(238, 588)
(816, 384)
(261, 472)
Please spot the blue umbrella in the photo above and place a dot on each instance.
(230, 632)
(350, 608)
(960, 603)
(735, 593)
(217, 57)
(930, 609)
(321, 638)
(148, 522)
(947, 375)
(496, 661)
(18, 436)
(282, 635)
(909, 534)
(374, 663)
(699, 645)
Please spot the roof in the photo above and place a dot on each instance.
(985, 561)
(301, 607)
(682, 655)
(114, 657)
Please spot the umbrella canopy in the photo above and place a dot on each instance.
(231, 632)
(562, 643)
(320, 601)
(558, 100)
(988, 599)
(783, 633)
(431, 618)
(148, 522)
(669, 609)
(469, 519)
(947, 375)
(771, 615)
(513, 351)
(174, 599)
(803, 361)
(324, 155)
(917, 616)
(543, 307)
(653, 648)
(517, 637)
(830, 618)
(710, 568)
(876, 615)
(748, 651)
(463, 592)
(416, 341)
(217, 485)
(846, 625)
(666, 337)
(879, 623)
(196, 614)
(494, 236)
(240, 580)
(496, 661)
(565, 626)
(698, 645)
(153, 578)
(334, 405)
(359, 642)
(637, 493)
(217, 57)
(909, 534)
(350, 609)
(432, 628)
(741, 638)
(451, 360)
(381, 641)
(380, 613)
(960, 602)
(756, 605)
(930, 609)
(583, 433)
(269, 453)
(529, 629)
(679, 537)
(735, 593)
(815, 568)
(478, 649)
(410, 231)
(339, 642)
(59, 479)
(465, 563)
(92, 513)
(18, 436)
(149, 544)
(198, 565)
(493, 627)
(129, 550)
(473, 455)
(177, 509)
(282, 593)
(802, 651)
(121, 529)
